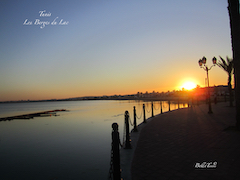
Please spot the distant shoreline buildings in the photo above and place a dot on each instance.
(199, 93)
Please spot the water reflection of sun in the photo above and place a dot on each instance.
(189, 85)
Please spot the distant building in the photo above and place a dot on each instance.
(221, 90)
(202, 93)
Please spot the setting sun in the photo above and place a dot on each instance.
(189, 85)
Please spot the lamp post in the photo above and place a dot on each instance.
(202, 64)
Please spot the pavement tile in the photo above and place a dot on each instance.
(170, 145)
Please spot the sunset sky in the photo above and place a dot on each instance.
(109, 47)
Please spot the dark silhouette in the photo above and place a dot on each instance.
(228, 67)
(128, 139)
(32, 115)
(135, 119)
(115, 170)
(233, 9)
(202, 64)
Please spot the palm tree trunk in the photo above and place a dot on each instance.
(233, 9)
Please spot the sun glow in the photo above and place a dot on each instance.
(189, 85)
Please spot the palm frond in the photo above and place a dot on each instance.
(230, 64)
(226, 65)
(229, 60)
(223, 61)
(222, 64)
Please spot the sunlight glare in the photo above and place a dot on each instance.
(189, 85)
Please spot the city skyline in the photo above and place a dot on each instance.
(63, 49)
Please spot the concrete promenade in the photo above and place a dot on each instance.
(186, 144)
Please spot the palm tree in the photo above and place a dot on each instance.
(228, 67)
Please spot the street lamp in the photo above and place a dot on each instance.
(202, 64)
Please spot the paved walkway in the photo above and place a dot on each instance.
(172, 144)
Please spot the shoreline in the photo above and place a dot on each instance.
(165, 98)
(97, 99)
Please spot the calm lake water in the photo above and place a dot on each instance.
(74, 145)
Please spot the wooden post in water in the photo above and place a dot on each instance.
(144, 115)
(115, 153)
(135, 120)
(128, 140)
